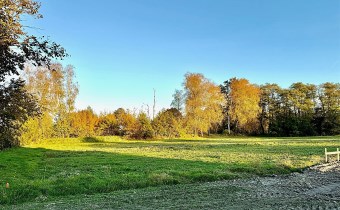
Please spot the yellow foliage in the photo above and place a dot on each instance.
(203, 104)
(245, 98)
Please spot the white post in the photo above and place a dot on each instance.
(337, 149)
(326, 154)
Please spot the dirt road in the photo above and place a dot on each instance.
(315, 188)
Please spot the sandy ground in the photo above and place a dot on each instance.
(316, 188)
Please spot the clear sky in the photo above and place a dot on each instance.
(122, 49)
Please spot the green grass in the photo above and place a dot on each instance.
(62, 167)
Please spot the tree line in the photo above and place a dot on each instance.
(300, 110)
(201, 108)
(239, 107)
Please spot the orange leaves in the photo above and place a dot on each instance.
(245, 98)
(83, 123)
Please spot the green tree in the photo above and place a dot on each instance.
(178, 100)
(126, 122)
(143, 128)
(303, 98)
(270, 105)
(301, 109)
(15, 107)
(168, 123)
(327, 117)
(37, 128)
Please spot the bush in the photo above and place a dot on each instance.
(36, 128)
(143, 128)
(168, 123)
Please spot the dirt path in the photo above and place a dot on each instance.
(316, 188)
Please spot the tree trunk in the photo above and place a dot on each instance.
(154, 104)
(228, 124)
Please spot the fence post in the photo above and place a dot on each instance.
(337, 149)
(326, 154)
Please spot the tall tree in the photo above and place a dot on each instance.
(327, 117)
(17, 48)
(47, 86)
(178, 100)
(270, 105)
(243, 104)
(16, 105)
(71, 88)
(329, 96)
(303, 98)
(55, 91)
(225, 89)
(203, 105)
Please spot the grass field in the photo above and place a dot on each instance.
(64, 167)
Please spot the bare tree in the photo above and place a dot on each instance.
(178, 100)
(154, 103)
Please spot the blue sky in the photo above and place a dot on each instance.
(122, 49)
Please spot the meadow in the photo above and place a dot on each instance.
(79, 166)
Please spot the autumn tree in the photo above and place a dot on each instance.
(107, 124)
(44, 85)
(243, 104)
(55, 90)
(126, 122)
(17, 48)
(203, 105)
(69, 91)
(83, 123)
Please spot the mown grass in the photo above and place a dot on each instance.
(61, 167)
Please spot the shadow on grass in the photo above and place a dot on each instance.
(91, 140)
(37, 173)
